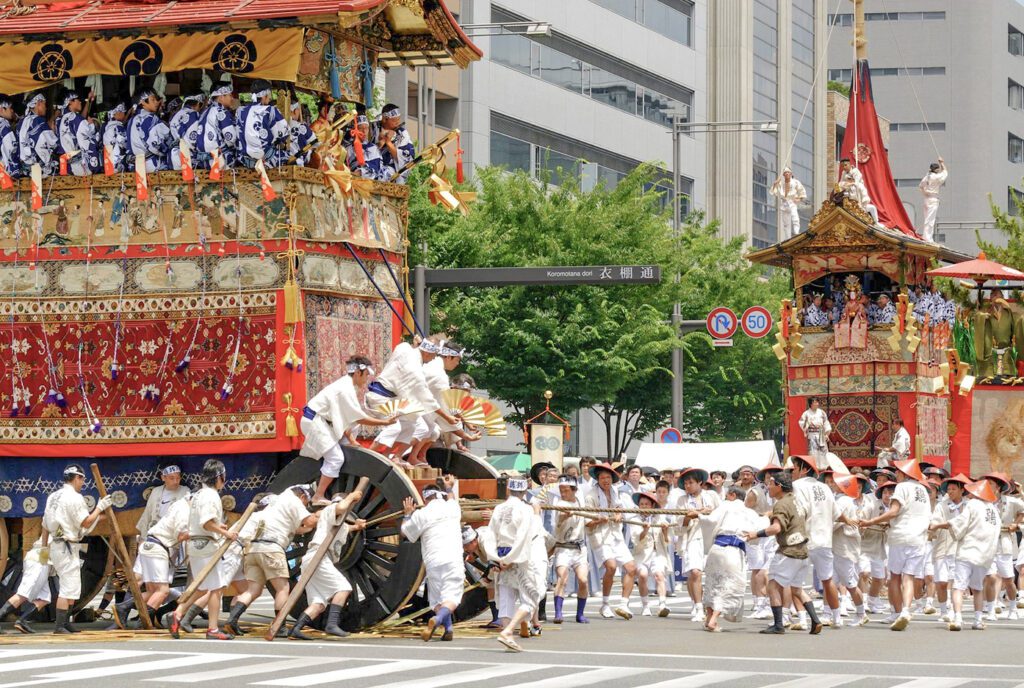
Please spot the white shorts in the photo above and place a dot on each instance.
(68, 566)
(153, 565)
(654, 565)
(693, 555)
(618, 552)
(907, 560)
(944, 567)
(789, 572)
(445, 583)
(505, 597)
(968, 576)
(847, 572)
(399, 432)
(756, 558)
(531, 584)
(426, 429)
(334, 459)
(873, 567)
(569, 557)
(325, 583)
(219, 577)
(822, 562)
(35, 581)
(1002, 566)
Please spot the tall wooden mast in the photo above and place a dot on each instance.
(859, 41)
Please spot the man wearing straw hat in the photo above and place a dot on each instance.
(437, 527)
(976, 533)
(909, 515)
(570, 549)
(1011, 514)
(690, 543)
(948, 506)
(650, 550)
(607, 541)
(851, 506)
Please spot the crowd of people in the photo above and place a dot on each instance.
(196, 130)
(825, 309)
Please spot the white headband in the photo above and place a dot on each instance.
(468, 535)
(169, 470)
(356, 367)
(194, 98)
(256, 95)
(445, 351)
(361, 119)
(70, 97)
(568, 480)
(224, 90)
(73, 470)
(393, 112)
(34, 100)
(430, 347)
(120, 107)
(518, 485)
(429, 492)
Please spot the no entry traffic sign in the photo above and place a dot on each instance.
(721, 323)
(756, 322)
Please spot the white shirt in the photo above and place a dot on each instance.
(901, 442)
(339, 404)
(571, 528)
(813, 421)
(278, 523)
(796, 193)
(853, 183)
(1009, 508)
(655, 542)
(606, 534)
(731, 517)
(438, 528)
(404, 377)
(976, 532)
(205, 507)
(174, 522)
(328, 519)
(514, 526)
(692, 532)
(818, 506)
(65, 511)
(910, 527)
(932, 183)
(157, 506)
(846, 538)
(942, 542)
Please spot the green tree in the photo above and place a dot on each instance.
(600, 347)
(1013, 227)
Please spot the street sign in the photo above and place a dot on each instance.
(564, 274)
(671, 436)
(721, 323)
(756, 322)
(722, 342)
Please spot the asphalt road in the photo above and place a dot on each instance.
(649, 652)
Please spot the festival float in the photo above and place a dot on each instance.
(961, 412)
(189, 316)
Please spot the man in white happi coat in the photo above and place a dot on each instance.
(949, 505)
(900, 449)
(816, 504)
(431, 426)
(607, 541)
(33, 592)
(791, 193)
(975, 531)
(206, 530)
(930, 186)
(266, 539)
(403, 377)
(1011, 514)
(159, 552)
(516, 529)
(162, 497)
(761, 550)
(851, 507)
(852, 182)
(328, 419)
(909, 515)
(690, 540)
(570, 549)
(650, 551)
(328, 588)
(68, 520)
(816, 428)
(437, 527)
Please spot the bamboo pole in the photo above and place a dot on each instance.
(190, 591)
(122, 551)
(308, 571)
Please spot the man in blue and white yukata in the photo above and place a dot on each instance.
(148, 135)
(115, 136)
(373, 166)
(184, 126)
(300, 137)
(393, 141)
(36, 140)
(9, 155)
(217, 129)
(79, 134)
(262, 127)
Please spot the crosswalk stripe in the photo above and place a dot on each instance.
(584, 678)
(247, 670)
(368, 671)
(816, 681)
(933, 683)
(150, 665)
(705, 678)
(474, 675)
(5, 654)
(65, 660)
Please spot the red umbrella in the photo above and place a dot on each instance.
(980, 270)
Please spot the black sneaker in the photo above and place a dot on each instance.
(23, 627)
(773, 630)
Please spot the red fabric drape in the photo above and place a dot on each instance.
(862, 132)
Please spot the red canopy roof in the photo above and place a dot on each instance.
(980, 270)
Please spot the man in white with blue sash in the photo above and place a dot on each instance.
(261, 125)
(218, 129)
(9, 154)
(148, 135)
(79, 134)
(183, 126)
(115, 136)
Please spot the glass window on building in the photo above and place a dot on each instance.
(1016, 149)
(560, 69)
(766, 107)
(1013, 197)
(512, 51)
(613, 90)
(670, 18)
(510, 153)
(1015, 95)
(1016, 41)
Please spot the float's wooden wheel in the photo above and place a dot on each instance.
(96, 557)
(385, 571)
(460, 464)
(5, 546)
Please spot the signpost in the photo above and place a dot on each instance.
(721, 323)
(756, 322)
(559, 274)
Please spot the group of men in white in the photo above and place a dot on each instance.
(791, 194)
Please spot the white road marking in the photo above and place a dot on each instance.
(472, 676)
(64, 660)
(378, 668)
(249, 670)
(584, 678)
(816, 681)
(706, 678)
(119, 670)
